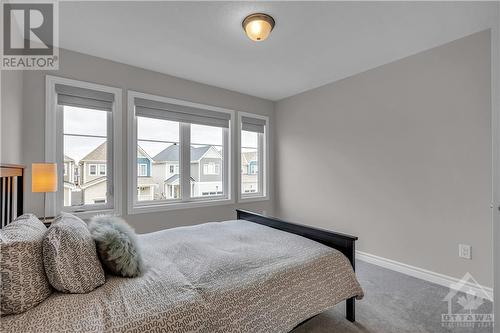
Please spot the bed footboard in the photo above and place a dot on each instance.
(341, 242)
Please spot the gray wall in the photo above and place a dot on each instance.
(399, 155)
(11, 117)
(88, 68)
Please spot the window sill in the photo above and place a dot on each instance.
(88, 214)
(253, 198)
(161, 207)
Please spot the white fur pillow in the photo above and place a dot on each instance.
(117, 245)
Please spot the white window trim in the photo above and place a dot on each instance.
(90, 169)
(173, 166)
(146, 168)
(54, 203)
(105, 170)
(264, 140)
(215, 169)
(135, 207)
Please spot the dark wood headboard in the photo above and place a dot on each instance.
(11, 192)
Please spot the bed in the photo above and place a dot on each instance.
(251, 274)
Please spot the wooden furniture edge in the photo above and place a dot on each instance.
(9, 172)
(339, 241)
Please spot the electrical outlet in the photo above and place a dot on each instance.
(465, 251)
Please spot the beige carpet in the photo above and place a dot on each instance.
(393, 303)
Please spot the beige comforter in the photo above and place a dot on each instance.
(232, 276)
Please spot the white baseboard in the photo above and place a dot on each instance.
(423, 274)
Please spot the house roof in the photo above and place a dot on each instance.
(93, 182)
(68, 159)
(69, 185)
(171, 153)
(98, 154)
(248, 156)
(142, 152)
(174, 180)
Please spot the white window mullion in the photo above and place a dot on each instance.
(261, 164)
(226, 163)
(185, 161)
(57, 206)
(109, 163)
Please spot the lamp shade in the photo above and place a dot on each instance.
(44, 177)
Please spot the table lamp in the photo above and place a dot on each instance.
(44, 180)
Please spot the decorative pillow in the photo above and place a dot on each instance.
(117, 245)
(70, 257)
(23, 280)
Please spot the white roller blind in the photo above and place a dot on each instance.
(253, 124)
(84, 98)
(180, 113)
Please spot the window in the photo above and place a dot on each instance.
(253, 168)
(253, 156)
(211, 169)
(85, 140)
(93, 169)
(207, 151)
(142, 171)
(81, 128)
(102, 169)
(173, 168)
(188, 144)
(158, 139)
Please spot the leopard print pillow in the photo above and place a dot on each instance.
(23, 280)
(70, 257)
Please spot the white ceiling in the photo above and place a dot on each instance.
(311, 45)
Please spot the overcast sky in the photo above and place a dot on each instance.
(94, 122)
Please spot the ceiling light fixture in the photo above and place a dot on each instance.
(258, 26)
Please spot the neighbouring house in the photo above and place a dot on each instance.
(145, 182)
(249, 172)
(69, 176)
(206, 172)
(93, 176)
(92, 171)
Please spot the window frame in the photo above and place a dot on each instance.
(137, 207)
(215, 168)
(263, 165)
(105, 170)
(54, 149)
(146, 168)
(90, 169)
